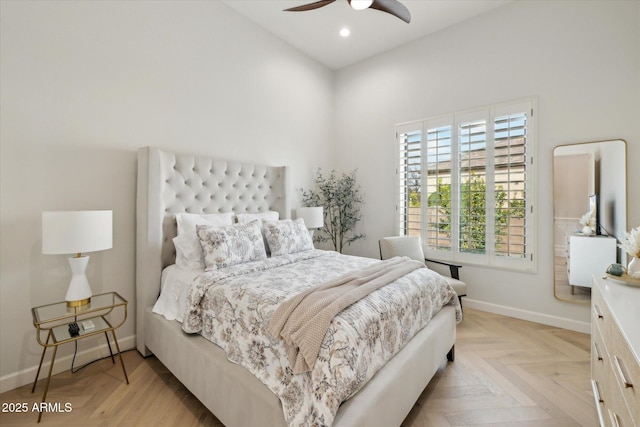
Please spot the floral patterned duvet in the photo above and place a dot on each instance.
(232, 306)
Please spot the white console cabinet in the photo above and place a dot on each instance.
(589, 255)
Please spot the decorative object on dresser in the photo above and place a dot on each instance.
(616, 270)
(77, 232)
(633, 269)
(631, 245)
(615, 352)
(587, 256)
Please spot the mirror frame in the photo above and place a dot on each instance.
(620, 255)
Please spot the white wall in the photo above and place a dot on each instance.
(582, 61)
(84, 84)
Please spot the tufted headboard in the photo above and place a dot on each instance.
(169, 183)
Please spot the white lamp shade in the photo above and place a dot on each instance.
(313, 216)
(72, 232)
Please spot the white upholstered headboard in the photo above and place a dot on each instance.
(169, 183)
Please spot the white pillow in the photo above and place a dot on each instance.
(188, 249)
(231, 244)
(287, 236)
(246, 218)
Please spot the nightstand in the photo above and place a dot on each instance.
(54, 319)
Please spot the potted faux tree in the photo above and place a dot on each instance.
(341, 198)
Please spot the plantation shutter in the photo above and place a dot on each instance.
(409, 172)
(438, 209)
(472, 182)
(513, 205)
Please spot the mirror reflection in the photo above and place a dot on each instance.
(590, 205)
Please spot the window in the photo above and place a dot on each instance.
(465, 185)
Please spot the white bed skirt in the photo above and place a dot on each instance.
(239, 399)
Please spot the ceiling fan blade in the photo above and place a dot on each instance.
(310, 6)
(393, 7)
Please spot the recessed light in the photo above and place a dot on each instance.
(345, 32)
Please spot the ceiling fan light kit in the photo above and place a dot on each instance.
(393, 7)
(360, 4)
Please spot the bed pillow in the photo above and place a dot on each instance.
(287, 236)
(230, 245)
(246, 218)
(188, 249)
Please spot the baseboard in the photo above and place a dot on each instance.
(26, 376)
(532, 316)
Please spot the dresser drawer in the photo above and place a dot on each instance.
(600, 407)
(600, 314)
(625, 369)
(612, 408)
(600, 371)
(600, 364)
(618, 419)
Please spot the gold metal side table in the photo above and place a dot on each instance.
(54, 319)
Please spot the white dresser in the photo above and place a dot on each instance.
(615, 352)
(588, 255)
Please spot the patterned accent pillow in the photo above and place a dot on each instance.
(231, 244)
(246, 218)
(287, 236)
(188, 249)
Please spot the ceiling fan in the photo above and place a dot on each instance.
(394, 7)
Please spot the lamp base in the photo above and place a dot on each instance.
(79, 292)
(79, 303)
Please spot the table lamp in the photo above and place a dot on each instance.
(313, 217)
(77, 232)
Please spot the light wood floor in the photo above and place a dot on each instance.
(507, 372)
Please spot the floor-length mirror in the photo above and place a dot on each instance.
(590, 211)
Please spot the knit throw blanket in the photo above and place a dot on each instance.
(302, 321)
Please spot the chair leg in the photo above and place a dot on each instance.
(451, 356)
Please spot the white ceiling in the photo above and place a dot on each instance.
(316, 32)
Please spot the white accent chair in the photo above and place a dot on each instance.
(410, 246)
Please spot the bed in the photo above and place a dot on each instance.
(171, 183)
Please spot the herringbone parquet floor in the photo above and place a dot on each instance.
(507, 372)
